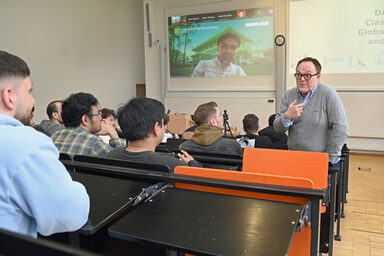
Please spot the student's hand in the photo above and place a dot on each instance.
(107, 129)
(293, 111)
(185, 157)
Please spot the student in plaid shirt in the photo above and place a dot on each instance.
(82, 120)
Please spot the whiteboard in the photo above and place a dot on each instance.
(348, 46)
(365, 113)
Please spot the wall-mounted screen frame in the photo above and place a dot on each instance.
(193, 47)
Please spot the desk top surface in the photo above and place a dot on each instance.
(211, 224)
(108, 196)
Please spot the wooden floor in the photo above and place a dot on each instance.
(362, 229)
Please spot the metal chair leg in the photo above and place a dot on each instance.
(343, 188)
(338, 205)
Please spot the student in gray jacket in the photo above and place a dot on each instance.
(55, 122)
(312, 113)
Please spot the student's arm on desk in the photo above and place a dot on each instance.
(188, 159)
(44, 190)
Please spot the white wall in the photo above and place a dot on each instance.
(97, 46)
(363, 108)
(234, 106)
(93, 46)
(156, 80)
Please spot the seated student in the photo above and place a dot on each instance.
(55, 122)
(208, 136)
(251, 139)
(188, 133)
(143, 123)
(108, 116)
(279, 139)
(82, 120)
(168, 134)
(37, 194)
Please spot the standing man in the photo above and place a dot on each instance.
(208, 136)
(37, 195)
(82, 120)
(55, 121)
(222, 65)
(312, 113)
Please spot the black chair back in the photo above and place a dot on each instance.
(173, 144)
(12, 244)
(162, 147)
(218, 155)
(64, 156)
(218, 160)
(121, 163)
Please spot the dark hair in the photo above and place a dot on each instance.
(271, 119)
(204, 112)
(166, 119)
(314, 61)
(229, 35)
(75, 106)
(12, 66)
(52, 107)
(250, 123)
(105, 112)
(138, 117)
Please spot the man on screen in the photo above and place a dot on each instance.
(222, 65)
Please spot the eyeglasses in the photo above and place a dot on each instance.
(231, 47)
(98, 114)
(306, 76)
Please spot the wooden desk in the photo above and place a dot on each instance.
(314, 195)
(211, 224)
(179, 123)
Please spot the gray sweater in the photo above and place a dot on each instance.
(48, 127)
(322, 126)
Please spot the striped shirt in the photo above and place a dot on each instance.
(78, 141)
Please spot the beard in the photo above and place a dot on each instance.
(225, 59)
(24, 115)
(24, 118)
(94, 128)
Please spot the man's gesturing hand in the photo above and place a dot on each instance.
(293, 111)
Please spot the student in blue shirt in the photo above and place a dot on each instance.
(37, 195)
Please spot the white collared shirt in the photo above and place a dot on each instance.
(214, 68)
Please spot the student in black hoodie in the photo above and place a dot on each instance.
(279, 139)
(251, 139)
